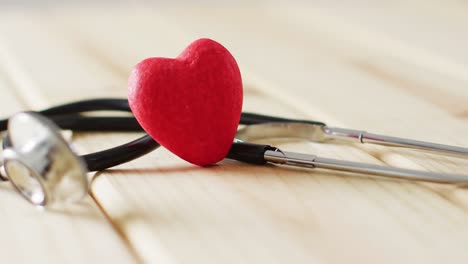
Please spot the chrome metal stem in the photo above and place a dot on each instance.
(319, 133)
(364, 137)
(312, 161)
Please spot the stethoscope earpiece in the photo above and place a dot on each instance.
(40, 164)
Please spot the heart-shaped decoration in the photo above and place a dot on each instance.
(192, 104)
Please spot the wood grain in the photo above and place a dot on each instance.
(419, 51)
(318, 61)
(75, 234)
(396, 210)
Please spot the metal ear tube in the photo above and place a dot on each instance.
(323, 134)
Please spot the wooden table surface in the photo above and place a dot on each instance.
(394, 67)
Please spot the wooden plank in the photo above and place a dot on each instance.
(76, 234)
(376, 106)
(251, 214)
(418, 50)
(48, 74)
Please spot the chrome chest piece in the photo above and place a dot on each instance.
(40, 164)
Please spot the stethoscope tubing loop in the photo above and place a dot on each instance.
(255, 126)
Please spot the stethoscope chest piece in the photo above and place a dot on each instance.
(40, 164)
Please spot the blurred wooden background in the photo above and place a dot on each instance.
(394, 67)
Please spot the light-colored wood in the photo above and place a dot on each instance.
(394, 42)
(265, 49)
(296, 62)
(76, 234)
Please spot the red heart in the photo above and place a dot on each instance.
(192, 104)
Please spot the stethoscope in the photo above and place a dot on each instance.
(45, 170)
